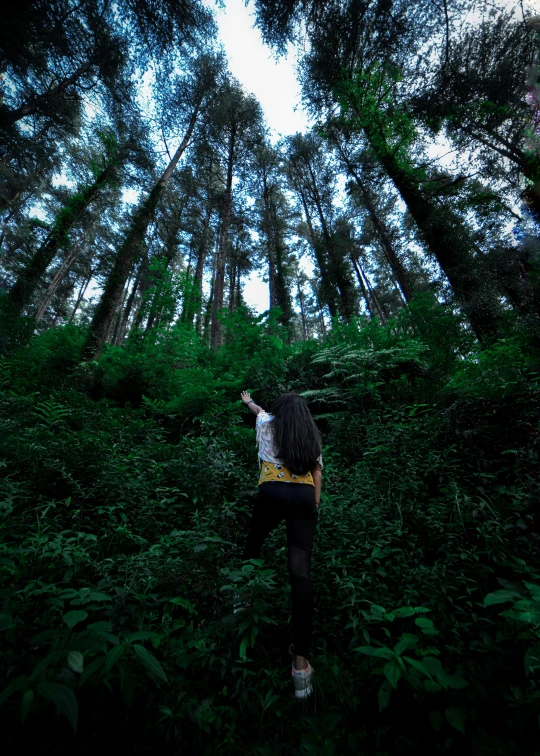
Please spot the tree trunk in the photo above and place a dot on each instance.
(129, 252)
(9, 117)
(327, 285)
(401, 275)
(302, 310)
(219, 281)
(238, 289)
(270, 244)
(342, 282)
(196, 312)
(362, 285)
(117, 322)
(129, 306)
(448, 241)
(209, 304)
(81, 294)
(232, 285)
(55, 284)
(21, 292)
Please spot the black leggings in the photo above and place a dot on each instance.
(294, 502)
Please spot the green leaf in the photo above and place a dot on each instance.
(384, 695)
(96, 596)
(113, 656)
(393, 672)
(368, 650)
(455, 717)
(89, 670)
(72, 618)
(76, 661)
(26, 703)
(453, 681)
(142, 635)
(63, 698)
(420, 666)
(425, 625)
(243, 647)
(5, 622)
(434, 665)
(383, 653)
(407, 641)
(431, 686)
(500, 597)
(7, 693)
(436, 719)
(150, 662)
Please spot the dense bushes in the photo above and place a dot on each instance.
(125, 500)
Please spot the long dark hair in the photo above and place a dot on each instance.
(296, 437)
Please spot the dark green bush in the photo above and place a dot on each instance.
(124, 505)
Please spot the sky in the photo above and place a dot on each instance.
(274, 84)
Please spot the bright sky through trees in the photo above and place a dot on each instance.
(272, 81)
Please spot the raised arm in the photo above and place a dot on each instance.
(248, 401)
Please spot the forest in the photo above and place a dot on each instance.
(398, 238)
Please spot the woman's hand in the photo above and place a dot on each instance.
(248, 401)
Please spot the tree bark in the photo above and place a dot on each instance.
(219, 281)
(397, 267)
(232, 285)
(129, 252)
(21, 292)
(343, 284)
(55, 284)
(129, 306)
(447, 240)
(362, 285)
(192, 308)
(117, 322)
(302, 310)
(321, 262)
(81, 294)
(9, 117)
(270, 244)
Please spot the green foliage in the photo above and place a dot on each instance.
(124, 504)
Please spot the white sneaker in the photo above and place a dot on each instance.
(302, 681)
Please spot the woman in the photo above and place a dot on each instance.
(289, 488)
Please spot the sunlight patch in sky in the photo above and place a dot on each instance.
(274, 84)
(272, 81)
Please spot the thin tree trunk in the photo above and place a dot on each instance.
(232, 285)
(362, 285)
(21, 292)
(55, 283)
(209, 304)
(448, 241)
(374, 297)
(401, 275)
(9, 117)
(113, 335)
(302, 310)
(129, 306)
(81, 294)
(343, 285)
(270, 244)
(129, 252)
(321, 262)
(238, 289)
(219, 281)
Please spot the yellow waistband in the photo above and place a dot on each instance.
(281, 474)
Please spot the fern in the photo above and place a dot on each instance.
(51, 413)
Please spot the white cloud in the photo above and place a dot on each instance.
(272, 81)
